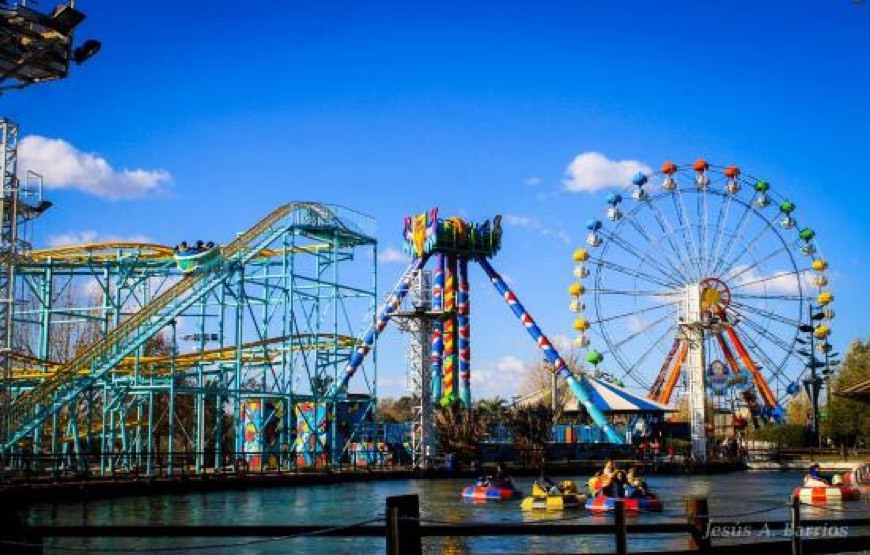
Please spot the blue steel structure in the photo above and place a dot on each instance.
(122, 361)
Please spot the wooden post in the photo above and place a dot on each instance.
(19, 539)
(796, 544)
(699, 518)
(403, 525)
(619, 523)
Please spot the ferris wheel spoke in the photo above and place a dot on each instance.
(778, 275)
(629, 372)
(629, 272)
(685, 261)
(773, 369)
(744, 217)
(724, 209)
(635, 293)
(768, 226)
(645, 328)
(767, 297)
(702, 212)
(635, 312)
(763, 312)
(680, 208)
(679, 276)
(753, 266)
(758, 328)
(642, 256)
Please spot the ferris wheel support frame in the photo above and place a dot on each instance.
(692, 329)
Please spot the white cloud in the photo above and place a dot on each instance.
(392, 255)
(63, 166)
(500, 377)
(592, 171)
(91, 236)
(528, 222)
(779, 282)
(521, 221)
(532, 181)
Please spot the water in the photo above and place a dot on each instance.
(342, 504)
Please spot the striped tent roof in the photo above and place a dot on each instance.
(608, 398)
(612, 399)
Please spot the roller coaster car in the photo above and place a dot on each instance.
(190, 261)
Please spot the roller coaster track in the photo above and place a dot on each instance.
(32, 408)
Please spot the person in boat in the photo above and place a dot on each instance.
(635, 485)
(814, 478)
(616, 486)
(501, 478)
(545, 482)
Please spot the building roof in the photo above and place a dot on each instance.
(859, 390)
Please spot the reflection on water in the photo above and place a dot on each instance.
(729, 494)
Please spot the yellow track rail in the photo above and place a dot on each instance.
(159, 365)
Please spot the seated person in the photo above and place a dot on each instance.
(545, 483)
(814, 478)
(636, 484)
(616, 486)
(501, 478)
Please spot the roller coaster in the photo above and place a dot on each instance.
(120, 359)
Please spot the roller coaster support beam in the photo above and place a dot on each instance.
(374, 331)
(578, 385)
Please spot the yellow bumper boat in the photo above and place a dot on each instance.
(567, 497)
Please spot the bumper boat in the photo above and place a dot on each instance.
(490, 492)
(602, 503)
(859, 477)
(541, 499)
(192, 260)
(827, 494)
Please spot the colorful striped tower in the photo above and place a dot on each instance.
(464, 325)
(578, 386)
(437, 356)
(371, 335)
(450, 331)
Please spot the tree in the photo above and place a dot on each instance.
(460, 431)
(798, 410)
(531, 426)
(847, 421)
(396, 410)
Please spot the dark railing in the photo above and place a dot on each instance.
(404, 530)
(26, 467)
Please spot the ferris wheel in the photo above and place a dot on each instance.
(700, 267)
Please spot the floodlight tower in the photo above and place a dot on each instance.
(35, 47)
(418, 322)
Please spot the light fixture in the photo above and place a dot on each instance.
(804, 352)
(806, 328)
(86, 51)
(64, 19)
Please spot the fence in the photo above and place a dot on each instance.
(403, 531)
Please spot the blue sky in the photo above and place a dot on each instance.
(394, 107)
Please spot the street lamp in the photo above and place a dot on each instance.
(813, 384)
